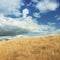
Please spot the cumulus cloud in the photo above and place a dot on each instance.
(47, 5)
(16, 27)
(25, 12)
(23, 25)
(11, 27)
(10, 7)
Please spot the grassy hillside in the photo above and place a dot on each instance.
(31, 48)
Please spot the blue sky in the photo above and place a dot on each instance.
(29, 17)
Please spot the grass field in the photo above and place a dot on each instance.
(31, 48)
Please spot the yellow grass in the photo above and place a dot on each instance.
(31, 48)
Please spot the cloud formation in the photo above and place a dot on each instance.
(25, 12)
(10, 7)
(37, 15)
(25, 24)
(11, 26)
(47, 5)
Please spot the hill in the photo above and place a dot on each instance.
(31, 48)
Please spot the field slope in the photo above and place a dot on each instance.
(31, 48)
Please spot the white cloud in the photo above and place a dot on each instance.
(47, 5)
(10, 26)
(26, 24)
(37, 15)
(10, 7)
(57, 31)
(25, 12)
(17, 26)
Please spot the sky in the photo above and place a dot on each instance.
(29, 17)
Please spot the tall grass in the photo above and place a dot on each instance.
(31, 48)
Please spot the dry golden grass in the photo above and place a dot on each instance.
(31, 48)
